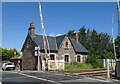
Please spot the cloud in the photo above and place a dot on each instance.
(53, 34)
(58, 34)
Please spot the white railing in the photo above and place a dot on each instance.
(112, 63)
(55, 64)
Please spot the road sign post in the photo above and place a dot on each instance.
(38, 58)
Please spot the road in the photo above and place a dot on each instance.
(42, 77)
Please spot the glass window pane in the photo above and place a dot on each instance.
(66, 58)
(78, 59)
(52, 57)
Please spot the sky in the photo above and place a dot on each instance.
(59, 18)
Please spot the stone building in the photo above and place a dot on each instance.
(17, 60)
(61, 50)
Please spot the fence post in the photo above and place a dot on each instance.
(108, 69)
(104, 63)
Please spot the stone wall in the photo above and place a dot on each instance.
(29, 61)
(63, 50)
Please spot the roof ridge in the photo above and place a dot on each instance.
(51, 36)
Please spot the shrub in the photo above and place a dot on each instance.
(77, 66)
(93, 60)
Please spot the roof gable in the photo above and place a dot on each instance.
(59, 40)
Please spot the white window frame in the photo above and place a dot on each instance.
(77, 58)
(68, 58)
(67, 45)
(52, 54)
(80, 58)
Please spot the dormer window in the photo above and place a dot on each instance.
(66, 44)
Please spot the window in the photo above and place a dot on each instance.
(10, 64)
(66, 44)
(78, 59)
(66, 58)
(52, 57)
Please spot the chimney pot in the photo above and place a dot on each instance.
(32, 25)
(77, 37)
(31, 29)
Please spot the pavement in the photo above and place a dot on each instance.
(44, 77)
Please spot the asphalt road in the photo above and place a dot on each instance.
(34, 77)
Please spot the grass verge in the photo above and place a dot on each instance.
(78, 66)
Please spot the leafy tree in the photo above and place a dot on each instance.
(98, 44)
(71, 32)
(117, 40)
(82, 35)
(107, 55)
(93, 60)
(7, 54)
(117, 43)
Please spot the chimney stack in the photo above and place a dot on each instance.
(76, 37)
(31, 29)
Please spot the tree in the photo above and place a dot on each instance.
(117, 43)
(7, 54)
(82, 36)
(98, 44)
(107, 55)
(71, 32)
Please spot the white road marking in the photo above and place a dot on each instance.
(98, 79)
(40, 78)
(37, 77)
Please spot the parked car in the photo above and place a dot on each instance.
(8, 66)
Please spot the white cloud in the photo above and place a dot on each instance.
(58, 34)
(53, 34)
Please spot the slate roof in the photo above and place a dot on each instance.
(59, 40)
(55, 42)
(78, 47)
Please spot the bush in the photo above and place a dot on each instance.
(8, 53)
(77, 66)
(94, 61)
